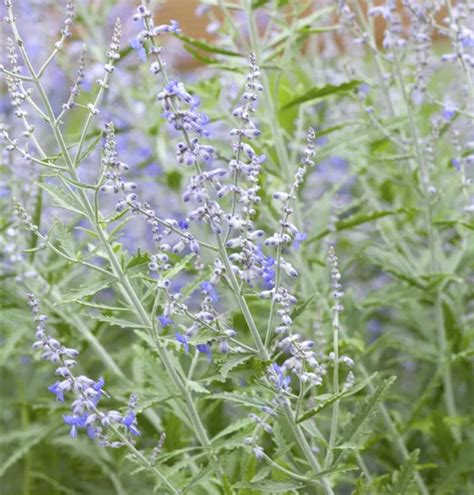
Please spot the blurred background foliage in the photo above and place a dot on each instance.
(407, 258)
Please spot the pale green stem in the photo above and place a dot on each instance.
(175, 371)
(305, 447)
(335, 382)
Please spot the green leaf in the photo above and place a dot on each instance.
(318, 93)
(203, 45)
(64, 238)
(241, 398)
(119, 322)
(90, 147)
(362, 415)
(197, 387)
(402, 480)
(62, 199)
(203, 474)
(24, 449)
(233, 427)
(232, 362)
(138, 260)
(178, 267)
(334, 398)
(83, 291)
(300, 308)
(358, 219)
(270, 486)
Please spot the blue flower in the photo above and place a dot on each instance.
(282, 381)
(165, 321)
(130, 423)
(139, 48)
(98, 388)
(182, 339)
(76, 422)
(268, 272)
(299, 238)
(449, 113)
(56, 389)
(183, 224)
(456, 164)
(209, 289)
(363, 90)
(205, 349)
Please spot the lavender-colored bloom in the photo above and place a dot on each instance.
(205, 349)
(75, 422)
(57, 390)
(282, 382)
(130, 423)
(183, 224)
(85, 407)
(299, 238)
(182, 339)
(173, 27)
(137, 45)
(449, 113)
(268, 271)
(210, 291)
(258, 452)
(165, 321)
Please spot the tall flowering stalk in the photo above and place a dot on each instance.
(110, 428)
(192, 289)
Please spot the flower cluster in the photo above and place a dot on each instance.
(14, 84)
(85, 412)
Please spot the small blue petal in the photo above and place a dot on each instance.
(183, 340)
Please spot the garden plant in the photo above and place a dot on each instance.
(240, 263)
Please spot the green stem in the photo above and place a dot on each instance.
(445, 365)
(175, 371)
(305, 447)
(335, 409)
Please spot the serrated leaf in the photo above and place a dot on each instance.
(82, 292)
(270, 486)
(90, 147)
(62, 199)
(203, 474)
(232, 362)
(178, 267)
(138, 260)
(355, 220)
(240, 399)
(403, 478)
(318, 93)
(24, 449)
(333, 398)
(235, 426)
(203, 45)
(361, 416)
(65, 239)
(119, 322)
(300, 308)
(197, 387)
